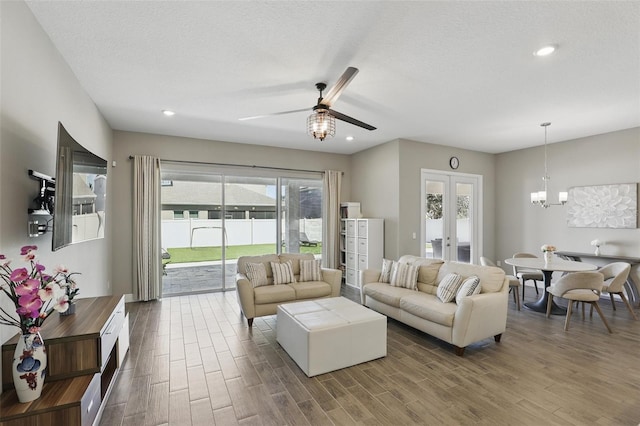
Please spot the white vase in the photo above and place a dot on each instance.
(548, 256)
(29, 367)
(597, 250)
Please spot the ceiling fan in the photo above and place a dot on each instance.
(321, 123)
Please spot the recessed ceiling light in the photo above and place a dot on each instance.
(349, 138)
(168, 113)
(545, 50)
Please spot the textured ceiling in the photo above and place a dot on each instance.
(452, 73)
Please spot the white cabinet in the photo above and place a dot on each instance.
(363, 247)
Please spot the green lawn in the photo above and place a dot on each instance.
(205, 254)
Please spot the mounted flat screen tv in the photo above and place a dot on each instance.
(81, 189)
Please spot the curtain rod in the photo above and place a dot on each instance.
(239, 165)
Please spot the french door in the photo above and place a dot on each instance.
(451, 212)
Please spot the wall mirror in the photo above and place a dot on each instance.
(81, 189)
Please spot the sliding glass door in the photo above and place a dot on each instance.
(451, 208)
(211, 219)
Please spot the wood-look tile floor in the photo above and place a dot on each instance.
(194, 361)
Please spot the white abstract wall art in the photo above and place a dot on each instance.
(603, 206)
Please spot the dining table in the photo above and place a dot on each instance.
(548, 268)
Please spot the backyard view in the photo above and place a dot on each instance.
(206, 254)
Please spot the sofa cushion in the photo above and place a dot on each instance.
(265, 259)
(273, 294)
(311, 289)
(469, 287)
(282, 272)
(404, 275)
(428, 307)
(385, 274)
(491, 277)
(310, 270)
(295, 260)
(257, 274)
(449, 287)
(386, 293)
(427, 272)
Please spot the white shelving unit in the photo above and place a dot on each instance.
(362, 246)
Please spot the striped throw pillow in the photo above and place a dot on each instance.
(282, 272)
(469, 287)
(310, 270)
(448, 287)
(385, 275)
(405, 275)
(257, 274)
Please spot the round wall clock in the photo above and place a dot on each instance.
(454, 162)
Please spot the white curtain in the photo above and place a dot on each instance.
(147, 257)
(331, 184)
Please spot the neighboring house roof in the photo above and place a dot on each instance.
(207, 194)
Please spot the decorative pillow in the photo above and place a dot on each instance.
(404, 275)
(282, 272)
(310, 270)
(385, 275)
(448, 287)
(469, 287)
(257, 274)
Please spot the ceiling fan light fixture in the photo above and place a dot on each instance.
(321, 125)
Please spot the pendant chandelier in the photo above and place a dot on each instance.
(540, 197)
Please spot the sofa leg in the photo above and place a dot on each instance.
(250, 322)
(497, 337)
(459, 351)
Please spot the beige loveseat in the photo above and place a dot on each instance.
(476, 318)
(264, 300)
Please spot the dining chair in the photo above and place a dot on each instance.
(615, 275)
(514, 283)
(526, 274)
(582, 287)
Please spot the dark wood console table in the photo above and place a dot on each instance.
(84, 353)
(633, 288)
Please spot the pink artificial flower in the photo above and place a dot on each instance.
(19, 275)
(30, 305)
(26, 249)
(34, 329)
(30, 256)
(61, 269)
(62, 304)
(39, 267)
(28, 287)
(51, 291)
(2, 257)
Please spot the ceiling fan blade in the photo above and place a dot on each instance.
(351, 120)
(333, 93)
(273, 114)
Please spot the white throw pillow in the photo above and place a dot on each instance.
(257, 274)
(310, 270)
(469, 287)
(385, 275)
(448, 287)
(405, 275)
(282, 272)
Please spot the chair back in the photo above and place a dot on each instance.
(590, 280)
(517, 269)
(615, 275)
(485, 261)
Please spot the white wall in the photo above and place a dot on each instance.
(38, 90)
(186, 149)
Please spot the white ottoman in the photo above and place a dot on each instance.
(329, 334)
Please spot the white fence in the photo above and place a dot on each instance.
(434, 229)
(208, 232)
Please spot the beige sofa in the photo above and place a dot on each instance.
(264, 300)
(476, 318)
